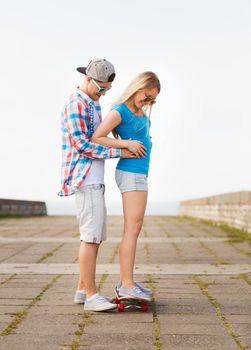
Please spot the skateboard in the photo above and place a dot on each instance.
(127, 303)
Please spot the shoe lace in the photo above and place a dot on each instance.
(137, 290)
(101, 298)
(142, 287)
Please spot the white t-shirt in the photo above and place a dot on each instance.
(96, 173)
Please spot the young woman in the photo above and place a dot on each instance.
(129, 119)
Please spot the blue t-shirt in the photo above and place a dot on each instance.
(137, 128)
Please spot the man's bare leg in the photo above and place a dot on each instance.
(87, 265)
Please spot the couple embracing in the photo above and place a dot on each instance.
(85, 146)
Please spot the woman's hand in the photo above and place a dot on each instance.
(137, 148)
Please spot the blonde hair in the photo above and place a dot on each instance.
(144, 80)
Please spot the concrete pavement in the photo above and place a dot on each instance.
(201, 284)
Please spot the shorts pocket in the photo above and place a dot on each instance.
(84, 204)
(140, 178)
(118, 178)
(80, 202)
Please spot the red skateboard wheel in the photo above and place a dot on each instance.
(144, 307)
(121, 307)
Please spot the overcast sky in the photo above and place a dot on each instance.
(201, 51)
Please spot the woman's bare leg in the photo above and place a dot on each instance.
(134, 205)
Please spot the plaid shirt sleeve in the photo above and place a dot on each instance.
(76, 124)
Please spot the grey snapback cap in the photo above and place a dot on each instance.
(99, 69)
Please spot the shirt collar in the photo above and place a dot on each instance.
(85, 97)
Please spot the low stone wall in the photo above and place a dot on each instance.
(233, 209)
(11, 207)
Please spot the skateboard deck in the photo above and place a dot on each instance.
(127, 303)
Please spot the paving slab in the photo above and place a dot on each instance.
(157, 269)
(198, 341)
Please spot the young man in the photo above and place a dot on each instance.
(83, 174)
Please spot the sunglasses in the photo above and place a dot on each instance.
(149, 100)
(101, 88)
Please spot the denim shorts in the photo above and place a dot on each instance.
(128, 181)
(91, 213)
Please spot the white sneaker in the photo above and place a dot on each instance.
(98, 303)
(79, 297)
(144, 289)
(133, 293)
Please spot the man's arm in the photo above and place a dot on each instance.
(76, 124)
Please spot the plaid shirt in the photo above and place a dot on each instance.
(77, 149)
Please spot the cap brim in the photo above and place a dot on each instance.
(82, 70)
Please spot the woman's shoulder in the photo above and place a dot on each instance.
(123, 111)
(119, 107)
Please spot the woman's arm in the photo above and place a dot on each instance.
(112, 120)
